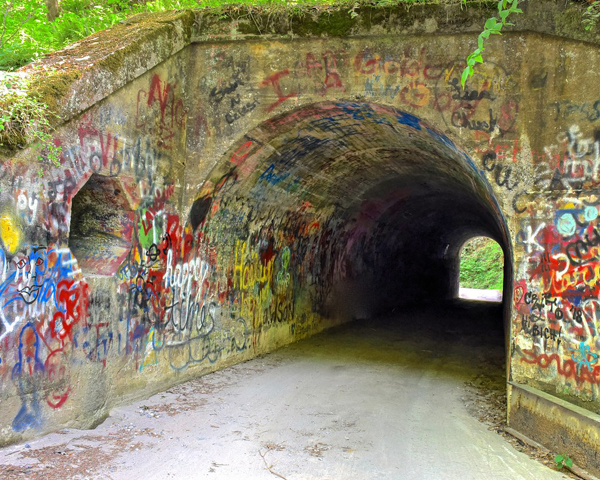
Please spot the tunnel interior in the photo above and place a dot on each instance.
(356, 209)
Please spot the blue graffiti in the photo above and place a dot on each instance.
(572, 220)
(360, 111)
(440, 137)
(409, 120)
(271, 177)
(34, 280)
(583, 356)
(26, 372)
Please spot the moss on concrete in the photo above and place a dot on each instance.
(333, 24)
(336, 20)
(51, 88)
(569, 24)
(54, 77)
(297, 22)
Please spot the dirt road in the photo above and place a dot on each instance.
(396, 398)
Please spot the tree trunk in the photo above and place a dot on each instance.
(53, 10)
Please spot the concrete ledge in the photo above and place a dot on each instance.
(559, 426)
(525, 439)
(75, 78)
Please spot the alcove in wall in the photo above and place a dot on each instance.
(101, 226)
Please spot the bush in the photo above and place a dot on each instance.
(481, 264)
(28, 34)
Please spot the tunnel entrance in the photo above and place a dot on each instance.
(347, 211)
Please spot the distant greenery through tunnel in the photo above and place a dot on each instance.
(481, 264)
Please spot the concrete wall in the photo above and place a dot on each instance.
(223, 194)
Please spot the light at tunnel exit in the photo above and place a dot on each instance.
(481, 270)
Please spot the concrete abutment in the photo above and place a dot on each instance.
(227, 193)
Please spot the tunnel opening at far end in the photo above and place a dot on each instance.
(342, 211)
(481, 274)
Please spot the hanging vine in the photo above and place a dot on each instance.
(493, 26)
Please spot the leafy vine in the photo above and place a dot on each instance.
(592, 15)
(493, 26)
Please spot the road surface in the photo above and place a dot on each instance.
(395, 398)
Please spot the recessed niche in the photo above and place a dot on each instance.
(101, 226)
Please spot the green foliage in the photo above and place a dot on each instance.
(28, 35)
(481, 264)
(492, 27)
(24, 120)
(592, 15)
(563, 461)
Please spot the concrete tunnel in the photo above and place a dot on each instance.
(392, 198)
(225, 191)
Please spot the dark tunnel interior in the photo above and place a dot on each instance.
(374, 205)
(411, 254)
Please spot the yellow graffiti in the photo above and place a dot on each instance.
(448, 73)
(9, 231)
(249, 271)
(585, 276)
(152, 345)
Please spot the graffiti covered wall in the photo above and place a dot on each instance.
(240, 195)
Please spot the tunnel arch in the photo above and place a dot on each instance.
(345, 209)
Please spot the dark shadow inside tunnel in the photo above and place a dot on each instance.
(467, 332)
(369, 205)
(411, 253)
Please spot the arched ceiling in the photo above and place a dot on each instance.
(391, 193)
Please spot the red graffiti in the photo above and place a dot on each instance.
(55, 367)
(160, 198)
(108, 146)
(416, 95)
(173, 230)
(508, 115)
(367, 67)
(274, 80)
(160, 93)
(332, 76)
(240, 155)
(505, 150)
(148, 221)
(171, 111)
(568, 368)
(73, 296)
(328, 65)
(312, 64)
(406, 67)
(519, 297)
